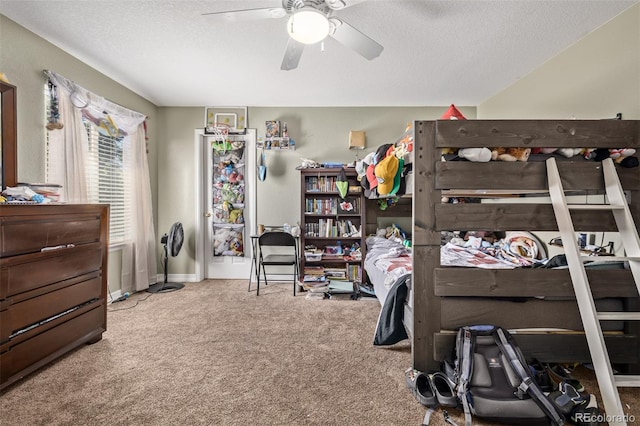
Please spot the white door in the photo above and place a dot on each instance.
(229, 204)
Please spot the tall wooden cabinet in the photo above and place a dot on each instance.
(53, 283)
(332, 225)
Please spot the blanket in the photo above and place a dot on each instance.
(390, 329)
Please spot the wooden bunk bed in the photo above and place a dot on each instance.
(439, 293)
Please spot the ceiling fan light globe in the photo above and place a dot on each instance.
(308, 26)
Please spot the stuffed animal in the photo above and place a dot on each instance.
(510, 154)
(588, 153)
(480, 155)
(235, 177)
(235, 247)
(623, 156)
(569, 152)
(221, 238)
(619, 153)
(236, 216)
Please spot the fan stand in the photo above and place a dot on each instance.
(165, 287)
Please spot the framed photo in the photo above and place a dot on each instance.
(272, 129)
(234, 118)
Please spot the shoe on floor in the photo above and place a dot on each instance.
(444, 389)
(566, 398)
(559, 374)
(587, 413)
(541, 376)
(421, 387)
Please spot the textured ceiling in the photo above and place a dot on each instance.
(435, 52)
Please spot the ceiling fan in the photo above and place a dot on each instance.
(309, 22)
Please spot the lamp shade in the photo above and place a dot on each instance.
(357, 139)
(308, 26)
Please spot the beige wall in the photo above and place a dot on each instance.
(178, 180)
(321, 134)
(596, 78)
(23, 57)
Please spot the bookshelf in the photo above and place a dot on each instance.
(332, 234)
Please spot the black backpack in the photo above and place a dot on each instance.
(493, 380)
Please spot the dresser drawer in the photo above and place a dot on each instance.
(35, 352)
(29, 234)
(23, 273)
(25, 313)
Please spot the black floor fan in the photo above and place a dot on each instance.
(172, 244)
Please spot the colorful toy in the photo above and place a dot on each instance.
(510, 154)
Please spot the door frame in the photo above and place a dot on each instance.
(201, 194)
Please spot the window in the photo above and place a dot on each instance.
(106, 178)
(106, 167)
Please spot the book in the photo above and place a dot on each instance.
(338, 286)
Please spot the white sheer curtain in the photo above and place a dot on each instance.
(68, 148)
(139, 263)
(68, 153)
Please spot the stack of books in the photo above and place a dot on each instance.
(314, 274)
(336, 273)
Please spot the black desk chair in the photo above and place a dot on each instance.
(286, 242)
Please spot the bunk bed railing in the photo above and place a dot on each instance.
(432, 283)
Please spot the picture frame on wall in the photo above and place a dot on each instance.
(234, 119)
(272, 129)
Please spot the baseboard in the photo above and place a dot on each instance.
(178, 278)
(114, 295)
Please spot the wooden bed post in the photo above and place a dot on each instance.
(426, 248)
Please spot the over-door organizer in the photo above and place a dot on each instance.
(53, 283)
(333, 225)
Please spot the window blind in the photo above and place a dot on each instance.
(106, 168)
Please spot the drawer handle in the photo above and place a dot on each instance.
(61, 246)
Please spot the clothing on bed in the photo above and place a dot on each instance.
(517, 249)
(390, 257)
(390, 329)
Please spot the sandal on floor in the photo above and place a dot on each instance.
(559, 374)
(567, 398)
(421, 388)
(444, 389)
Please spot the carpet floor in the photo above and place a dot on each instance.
(215, 354)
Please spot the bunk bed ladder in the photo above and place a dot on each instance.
(607, 382)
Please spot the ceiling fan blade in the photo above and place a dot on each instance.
(354, 39)
(341, 4)
(248, 14)
(292, 55)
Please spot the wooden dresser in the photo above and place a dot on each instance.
(51, 300)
